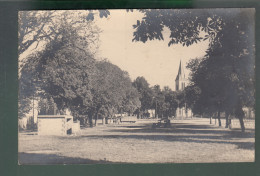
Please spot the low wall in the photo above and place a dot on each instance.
(51, 126)
(54, 124)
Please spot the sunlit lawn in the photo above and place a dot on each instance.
(187, 141)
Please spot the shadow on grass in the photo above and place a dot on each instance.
(141, 126)
(46, 159)
(170, 138)
(188, 129)
(183, 133)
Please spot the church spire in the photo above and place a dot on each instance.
(181, 73)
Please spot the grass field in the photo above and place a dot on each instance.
(186, 141)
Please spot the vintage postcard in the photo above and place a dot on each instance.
(136, 86)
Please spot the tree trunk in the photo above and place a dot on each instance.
(242, 124)
(240, 115)
(90, 121)
(96, 116)
(210, 122)
(219, 120)
(96, 120)
(227, 121)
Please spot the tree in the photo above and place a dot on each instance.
(145, 93)
(39, 28)
(67, 38)
(228, 68)
(44, 26)
(207, 91)
(132, 101)
(158, 101)
(229, 56)
(47, 106)
(171, 102)
(62, 70)
(27, 89)
(113, 90)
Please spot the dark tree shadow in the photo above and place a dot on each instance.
(182, 132)
(188, 129)
(46, 159)
(186, 138)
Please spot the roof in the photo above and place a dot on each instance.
(181, 74)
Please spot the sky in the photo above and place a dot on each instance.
(153, 60)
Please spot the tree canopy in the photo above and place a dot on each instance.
(113, 90)
(63, 70)
(38, 28)
(163, 101)
(224, 78)
(146, 94)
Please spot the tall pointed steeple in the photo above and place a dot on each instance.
(180, 81)
(181, 73)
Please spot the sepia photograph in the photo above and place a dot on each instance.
(130, 86)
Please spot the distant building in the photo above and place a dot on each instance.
(151, 112)
(180, 83)
(249, 112)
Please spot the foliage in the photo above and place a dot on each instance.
(62, 71)
(131, 101)
(24, 106)
(158, 101)
(226, 74)
(28, 85)
(164, 102)
(171, 102)
(224, 78)
(39, 28)
(113, 90)
(145, 92)
(47, 106)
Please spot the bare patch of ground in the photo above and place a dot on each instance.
(186, 141)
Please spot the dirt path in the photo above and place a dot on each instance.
(186, 141)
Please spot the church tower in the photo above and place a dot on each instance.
(180, 81)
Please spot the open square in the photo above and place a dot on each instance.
(186, 141)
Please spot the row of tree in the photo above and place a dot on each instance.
(224, 79)
(164, 101)
(65, 74)
(75, 81)
(65, 70)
